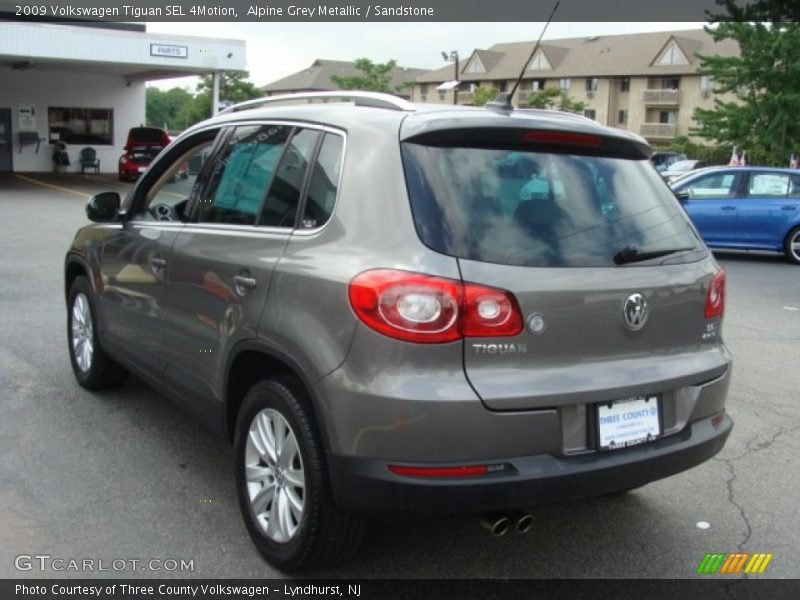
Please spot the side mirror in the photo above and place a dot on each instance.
(682, 196)
(126, 148)
(103, 207)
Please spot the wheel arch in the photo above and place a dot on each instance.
(793, 228)
(251, 361)
(75, 267)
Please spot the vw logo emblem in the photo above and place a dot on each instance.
(634, 312)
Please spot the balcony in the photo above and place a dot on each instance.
(662, 97)
(660, 131)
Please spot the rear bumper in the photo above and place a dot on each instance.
(366, 486)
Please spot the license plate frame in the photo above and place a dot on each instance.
(649, 427)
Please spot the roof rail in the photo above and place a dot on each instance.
(372, 99)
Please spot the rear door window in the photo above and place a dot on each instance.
(280, 209)
(531, 208)
(768, 185)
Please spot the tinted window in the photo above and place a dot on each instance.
(540, 209)
(768, 185)
(280, 208)
(713, 185)
(324, 182)
(241, 175)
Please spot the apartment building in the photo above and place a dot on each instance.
(647, 83)
(317, 78)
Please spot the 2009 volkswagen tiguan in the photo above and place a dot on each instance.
(398, 309)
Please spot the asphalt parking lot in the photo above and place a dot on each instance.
(127, 475)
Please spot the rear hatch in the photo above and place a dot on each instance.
(147, 136)
(580, 229)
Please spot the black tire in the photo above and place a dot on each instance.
(325, 536)
(793, 255)
(103, 371)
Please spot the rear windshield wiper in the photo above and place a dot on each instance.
(631, 254)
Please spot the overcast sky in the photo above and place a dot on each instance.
(275, 50)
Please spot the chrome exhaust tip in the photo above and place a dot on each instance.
(523, 522)
(497, 524)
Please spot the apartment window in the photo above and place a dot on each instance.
(590, 113)
(671, 83)
(673, 56)
(625, 84)
(537, 84)
(565, 83)
(81, 125)
(441, 96)
(622, 117)
(423, 88)
(668, 117)
(475, 66)
(706, 83)
(539, 62)
(591, 84)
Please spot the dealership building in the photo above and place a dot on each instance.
(83, 85)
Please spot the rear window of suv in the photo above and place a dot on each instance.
(529, 208)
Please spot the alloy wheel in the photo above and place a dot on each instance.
(82, 333)
(274, 475)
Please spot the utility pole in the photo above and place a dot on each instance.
(453, 56)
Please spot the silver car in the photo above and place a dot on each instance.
(398, 309)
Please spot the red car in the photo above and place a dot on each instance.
(144, 144)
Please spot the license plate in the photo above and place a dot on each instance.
(142, 169)
(623, 423)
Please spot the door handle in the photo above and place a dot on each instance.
(729, 207)
(788, 207)
(243, 283)
(158, 263)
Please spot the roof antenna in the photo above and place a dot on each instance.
(502, 103)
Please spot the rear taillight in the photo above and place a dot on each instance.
(489, 312)
(715, 296)
(421, 308)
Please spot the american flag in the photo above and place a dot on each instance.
(734, 157)
(793, 162)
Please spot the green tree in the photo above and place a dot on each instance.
(374, 77)
(234, 86)
(555, 99)
(483, 95)
(764, 81)
(162, 107)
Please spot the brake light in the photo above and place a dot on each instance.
(420, 308)
(563, 137)
(715, 296)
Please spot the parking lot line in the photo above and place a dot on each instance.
(50, 185)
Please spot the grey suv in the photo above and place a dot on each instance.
(393, 309)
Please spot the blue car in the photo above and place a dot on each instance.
(747, 208)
